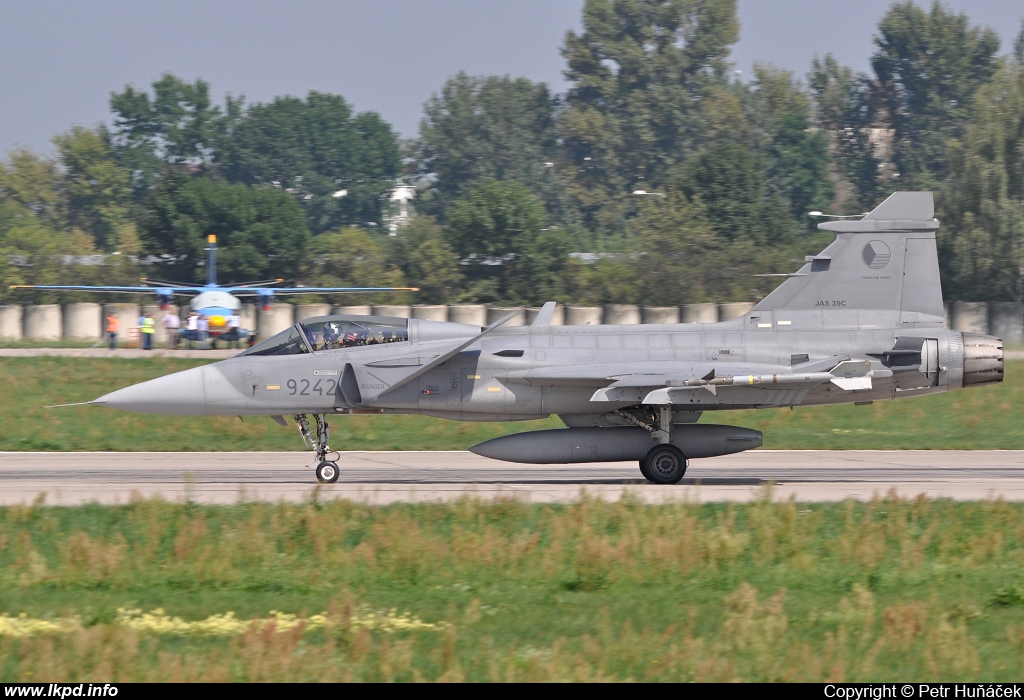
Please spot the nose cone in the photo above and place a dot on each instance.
(200, 391)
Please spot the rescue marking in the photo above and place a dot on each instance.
(325, 373)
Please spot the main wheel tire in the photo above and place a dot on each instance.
(643, 469)
(327, 472)
(665, 464)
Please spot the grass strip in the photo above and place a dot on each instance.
(470, 590)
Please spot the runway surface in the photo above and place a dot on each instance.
(387, 477)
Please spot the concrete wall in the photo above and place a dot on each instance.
(304, 311)
(970, 316)
(352, 310)
(583, 315)
(11, 322)
(473, 314)
(700, 313)
(496, 313)
(733, 309)
(83, 321)
(618, 314)
(557, 319)
(660, 314)
(270, 323)
(1006, 321)
(43, 322)
(434, 312)
(392, 310)
(87, 321)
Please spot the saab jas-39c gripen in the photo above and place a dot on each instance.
(860, 322)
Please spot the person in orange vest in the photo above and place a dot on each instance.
(148, 328)
(112, 327)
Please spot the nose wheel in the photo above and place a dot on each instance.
(327, 472)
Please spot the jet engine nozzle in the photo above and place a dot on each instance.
(983, 359)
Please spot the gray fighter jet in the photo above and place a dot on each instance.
(862, 321)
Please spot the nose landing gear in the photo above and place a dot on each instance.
(327, 471)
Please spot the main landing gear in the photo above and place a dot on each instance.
(327, 471)
(665, 463)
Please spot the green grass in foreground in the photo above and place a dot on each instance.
(980, 418)
(888, 590)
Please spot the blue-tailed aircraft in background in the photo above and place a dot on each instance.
(212, 300)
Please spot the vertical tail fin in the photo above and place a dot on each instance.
(886, 261)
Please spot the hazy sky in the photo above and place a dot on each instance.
(59, 61)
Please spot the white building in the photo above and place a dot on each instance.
(399, 210)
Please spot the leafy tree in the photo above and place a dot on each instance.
(639, 71)
(1018, 44)
(928, 66)
(98, 190)
(499, 230)
(314, 149)
(33, 253)
(352, 257)
(684, 258)
(727, 178)
(489, 128)
(842, 102)
(982, 237)
(795, 157)
(609, 280)
(177, 124)
(421, 249)
(31, 182)
(261, 231)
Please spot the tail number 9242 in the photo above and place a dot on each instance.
(304, 387)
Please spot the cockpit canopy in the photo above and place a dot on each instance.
(333, 333)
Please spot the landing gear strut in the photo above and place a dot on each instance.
(327, 471)
(665, 463)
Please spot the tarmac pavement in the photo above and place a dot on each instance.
(388, 477)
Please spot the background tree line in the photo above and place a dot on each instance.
(524, 195)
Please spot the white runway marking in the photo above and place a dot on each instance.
(387, 477)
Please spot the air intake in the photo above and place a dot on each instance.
(983, 359)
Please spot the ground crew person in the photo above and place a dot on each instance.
(148, 329)
(234, 328)
(112, 327)
(203, 330)
(172, 322)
